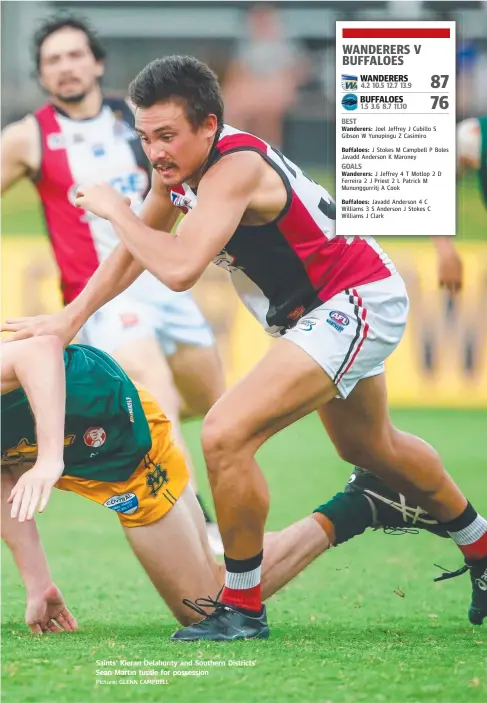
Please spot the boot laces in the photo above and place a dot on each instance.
(450, 574)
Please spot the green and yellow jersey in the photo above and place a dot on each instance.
(106, 431)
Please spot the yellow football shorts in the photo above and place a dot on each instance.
(155, 485)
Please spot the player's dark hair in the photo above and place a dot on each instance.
(54, 24)
(182, 78)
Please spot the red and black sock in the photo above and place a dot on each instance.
(242, 584)
(469, 532)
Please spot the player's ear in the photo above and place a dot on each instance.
(210, 125)
(100, 69)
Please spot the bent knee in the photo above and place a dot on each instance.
(221, 437)
(366, 452)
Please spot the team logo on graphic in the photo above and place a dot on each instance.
(349, 82)
(338, 320)
(94, 437)
(126, 503)
(307, 324)
(350, 101)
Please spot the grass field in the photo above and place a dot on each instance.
(365, 623)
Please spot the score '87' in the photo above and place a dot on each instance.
(440, 101)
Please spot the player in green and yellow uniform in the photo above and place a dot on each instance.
(74, 420)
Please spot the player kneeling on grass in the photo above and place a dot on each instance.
(81, 424)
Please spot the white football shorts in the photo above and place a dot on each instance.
(148, 309)
(352, 334)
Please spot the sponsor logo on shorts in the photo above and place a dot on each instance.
(307, 324)
(338, 320)
(126, 503)
(94, 437)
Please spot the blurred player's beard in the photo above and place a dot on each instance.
(71, 99)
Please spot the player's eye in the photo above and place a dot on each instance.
(166, 137)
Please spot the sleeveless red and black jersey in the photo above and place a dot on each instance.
(80, 152)
(286, 268)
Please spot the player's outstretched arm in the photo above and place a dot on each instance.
(20, 151)
(116, 274)
(224, 194)
(38, 366)
(46, 610)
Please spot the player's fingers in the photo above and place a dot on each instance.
(25, 503)
(17, 335)
(34, 499)
(53, 626)
(67, 620)
(36, 628)
(46, 493)
(17, 493)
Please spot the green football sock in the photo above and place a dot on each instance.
(350, 513)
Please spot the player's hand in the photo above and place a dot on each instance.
(100, 199)
(450, 270)
(47, 612)
(61, 324)
(33, 489)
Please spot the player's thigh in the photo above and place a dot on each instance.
(198, 374)
(283, 387)
(176, 558)
(359, 425)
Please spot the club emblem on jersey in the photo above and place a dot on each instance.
(94, 437)
(338, 320)
(180, 201)
(25, 452)
(227, 261)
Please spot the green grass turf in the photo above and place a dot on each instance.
(21, 213)
(340, 632)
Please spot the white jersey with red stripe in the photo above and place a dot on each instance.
(75, 152)
(286, 268)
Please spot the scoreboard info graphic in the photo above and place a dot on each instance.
(395, 122)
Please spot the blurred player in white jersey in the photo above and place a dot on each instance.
(471, 156)
(159, 336)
